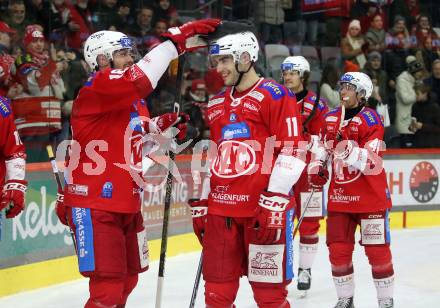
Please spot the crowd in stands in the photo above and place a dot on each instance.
(396, 42)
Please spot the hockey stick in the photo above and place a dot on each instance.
(196, 282)
(325, 163)
(169, 183)
(57, 176)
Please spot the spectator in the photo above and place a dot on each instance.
(80, 25)
(427, 54)
(329, 81)
(17, 20)
(196, 103)
(423, 31)
(408, 9)
(406, 96)
(164, 10)
(35, 11)
(425, 122)
(160, 27)
(354, 45)
(7, 86)
(373, 68)
(124, 20)
(337, 20)
(142, 30)
(434, 80)
(38, 74)
(106, 16)
(397, 42)
(375, 36)
(271, 18)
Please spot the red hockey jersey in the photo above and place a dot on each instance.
(353, 190)
(109, 103)
(10, 143)
(241, 124)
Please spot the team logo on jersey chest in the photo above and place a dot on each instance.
(234, 158)
(423, 182)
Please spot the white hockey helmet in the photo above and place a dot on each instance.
(363, 83)
(235, 44)
(104, 43)
(296, 63)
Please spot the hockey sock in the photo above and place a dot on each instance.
(384, 287)
(344, 285)
(274, 297)
(130, 283)
(105, 292)
(220, 294)
(308, 247)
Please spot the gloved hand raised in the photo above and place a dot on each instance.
(187, 36)
(270, 216)
(163, 122)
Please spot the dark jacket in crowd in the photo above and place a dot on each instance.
(427, 113)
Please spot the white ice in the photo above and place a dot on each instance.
(416, 255)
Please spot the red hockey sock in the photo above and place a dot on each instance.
(220, 294)
(105, 292)
(130, 283)
(273, 297)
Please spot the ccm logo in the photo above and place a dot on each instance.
(274, 203)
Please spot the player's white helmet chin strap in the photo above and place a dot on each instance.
(235, 45)
(104, 43)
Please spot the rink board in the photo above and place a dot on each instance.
(36, 249)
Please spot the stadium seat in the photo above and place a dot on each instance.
(311, 54)
(330, 54)
(275, 55)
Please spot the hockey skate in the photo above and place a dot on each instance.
(386, 302)
(345, 302)
(304, 281)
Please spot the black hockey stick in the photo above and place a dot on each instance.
(166, 214)
(196, 282)
(301, 218)
(57, 176)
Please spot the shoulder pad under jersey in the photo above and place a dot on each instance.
(5, 106)
(275, 90)
(371, 117)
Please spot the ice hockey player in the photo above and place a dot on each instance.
(295, 74)
(102, 200)
(358, 192)
(12, 163)
(245, 224)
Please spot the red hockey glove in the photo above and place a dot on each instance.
(61, 209)
(318, 174)
(13, 197)
(161, 123)
(199, 209)
(270, 216)
(186, 37)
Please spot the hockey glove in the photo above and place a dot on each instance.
(13, 197)
(163, 122)
(270, 216)
(318, 174)
(186, 37)
(199, 209)
(61, 209)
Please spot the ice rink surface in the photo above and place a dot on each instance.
(416, 255)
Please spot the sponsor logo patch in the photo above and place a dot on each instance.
(236, 131)
(75, 189)
(107, 190)
(275, 90)
(370, 118)
(257, 95)
(266, 263)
